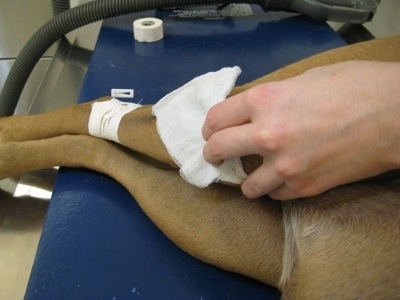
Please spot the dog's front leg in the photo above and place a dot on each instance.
(69, 120)
(137, 129)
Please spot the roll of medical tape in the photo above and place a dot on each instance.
(148, 30)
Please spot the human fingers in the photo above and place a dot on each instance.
(228, 143)
(262, 181)
(230, 112)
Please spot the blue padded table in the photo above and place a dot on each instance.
(96, 242)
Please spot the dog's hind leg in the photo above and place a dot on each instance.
(20, 157)
(344, 243)
(217, 225)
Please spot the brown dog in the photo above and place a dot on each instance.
(341, 244)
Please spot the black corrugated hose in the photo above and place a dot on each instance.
(72, 19)
(59, 6)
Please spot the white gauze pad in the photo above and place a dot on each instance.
(180, 117)
(105, 118)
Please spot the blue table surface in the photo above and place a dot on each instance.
(96, 242)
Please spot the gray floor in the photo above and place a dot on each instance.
(24, 200)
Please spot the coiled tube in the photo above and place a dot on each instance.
(72, 19)
(59, 6)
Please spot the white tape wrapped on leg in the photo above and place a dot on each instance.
(180, 117)
(105, 118)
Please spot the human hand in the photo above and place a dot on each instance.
(329, 126)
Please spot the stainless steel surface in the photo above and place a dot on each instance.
(56, 82)
(62, 82)
(31, 87)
